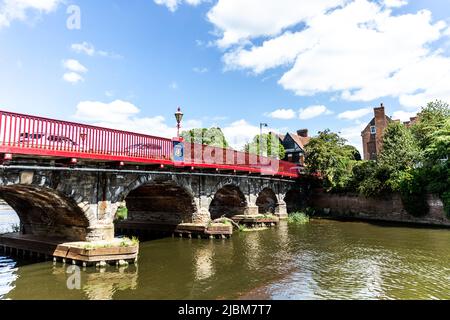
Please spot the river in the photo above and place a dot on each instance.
(323, 259)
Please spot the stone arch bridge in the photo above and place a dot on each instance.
(80, 204)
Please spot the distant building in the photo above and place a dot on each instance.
(372, 135)
(294, 145)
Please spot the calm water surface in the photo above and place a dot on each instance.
(320, 260)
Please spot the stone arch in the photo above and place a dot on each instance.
(214, 184)
(47, 212)
(267, 201)
(160, 200)
(228, 201)
(293, 199)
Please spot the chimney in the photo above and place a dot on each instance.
(380, 125)
(302, 133)
(379, 112)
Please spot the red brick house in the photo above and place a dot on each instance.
(372, 135)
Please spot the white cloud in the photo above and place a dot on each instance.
(354, 114)
(11, 10)
(89, 49)
(83, 47)
(313, 112)
(72, 77)
(284, 114)
(239, 133)
(447, 32)
(200, 70)
(115, 111)
(74, 66)
(395, 3)
(172, 5)
(240, 20)
(123, 115)
(360, 51)
(403, 115)
(353, 135)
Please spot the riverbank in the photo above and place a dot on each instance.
(388, 209)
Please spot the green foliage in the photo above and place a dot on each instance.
(15, 228)
(414, 161)
(354, 153)
(446, 200)
(438, 148)
(361, 170)
(298, 218)
(134, 240)
(400, 150)
(270, 145)
(212, 137)
(127, 242)
(328, 155)
(430, 120)
(122, 213)
(412, 189)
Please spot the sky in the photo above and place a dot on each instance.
(128, 64)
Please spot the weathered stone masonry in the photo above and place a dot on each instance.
(81, 205)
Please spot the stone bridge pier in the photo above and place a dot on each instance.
(80, 204)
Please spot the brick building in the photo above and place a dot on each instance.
(372, 135)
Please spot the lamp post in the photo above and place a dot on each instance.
(261, 125)
(178, 116)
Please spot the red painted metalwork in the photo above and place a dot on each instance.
(22, 134)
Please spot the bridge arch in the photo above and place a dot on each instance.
(293, 199)
(228, 201)
(160, 201)
(267, 201)
(47, 212)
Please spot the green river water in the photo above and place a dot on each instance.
(323, 259)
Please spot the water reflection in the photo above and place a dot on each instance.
(8, 275)
(319, 260)
(100, 284)
(44, 281)
(8, 219)
(204, 265)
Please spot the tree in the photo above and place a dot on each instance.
(354, 152)
(328, 155)
(431, 119)
(400, 150)
(439, 143)
(212, 137)
(437, 164)
(270, 146)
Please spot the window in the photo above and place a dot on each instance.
(373, 130)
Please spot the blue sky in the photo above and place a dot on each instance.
(291, 63)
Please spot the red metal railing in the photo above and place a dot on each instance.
(38, 136)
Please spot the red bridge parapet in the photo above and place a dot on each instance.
(28, 135)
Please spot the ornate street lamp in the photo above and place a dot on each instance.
(179, 116)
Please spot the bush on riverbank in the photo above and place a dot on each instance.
(298, 218)
(122, 213)
(413, 162)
